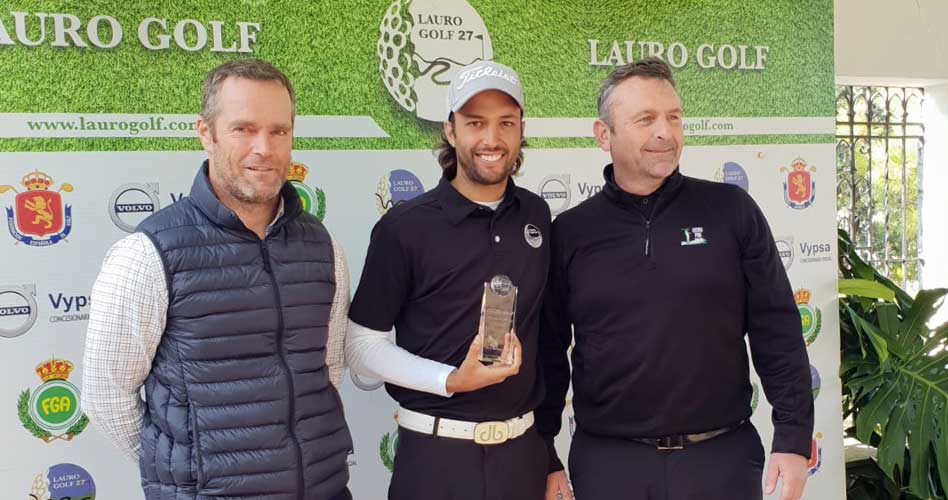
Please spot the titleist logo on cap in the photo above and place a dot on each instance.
(466, 76)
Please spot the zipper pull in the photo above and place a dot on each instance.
(265, 252)
(648, 234)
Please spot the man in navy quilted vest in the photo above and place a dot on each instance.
(229, 307)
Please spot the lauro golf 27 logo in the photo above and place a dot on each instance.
(397, 187)
(63, 482)
(422, 44)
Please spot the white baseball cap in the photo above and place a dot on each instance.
(480, 76)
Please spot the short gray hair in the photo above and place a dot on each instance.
(250, 69)
(650, 67)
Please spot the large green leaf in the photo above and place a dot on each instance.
(866, 288)
(914, 329)
(910, 404)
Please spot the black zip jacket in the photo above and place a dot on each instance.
(660, 302)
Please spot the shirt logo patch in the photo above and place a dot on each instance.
(532, 234)
(693, 236)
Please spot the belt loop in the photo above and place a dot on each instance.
(437, 423)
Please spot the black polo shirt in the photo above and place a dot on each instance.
(425, 269)
(659, 307)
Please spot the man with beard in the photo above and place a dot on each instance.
(229, 308)
(658, 278)
(425, 274)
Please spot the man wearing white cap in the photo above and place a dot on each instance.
(465, 428)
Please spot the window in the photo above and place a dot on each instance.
(879, 146)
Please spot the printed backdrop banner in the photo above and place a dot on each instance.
(97, 132)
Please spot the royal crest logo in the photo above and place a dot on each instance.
(799, 190)
(693, 236)
(63, 482)
(313, 199)
(811, 318)
(422, 44)
(816, 454)
(396, 188)
(388, 445)
(132, 203)
(732, 173)
(555, 189)
(17, 310)
(51, 411)
(38, 216)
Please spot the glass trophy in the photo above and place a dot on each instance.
(498, 308)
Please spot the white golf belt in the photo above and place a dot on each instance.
(458, 429)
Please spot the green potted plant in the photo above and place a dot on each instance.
(894, 372)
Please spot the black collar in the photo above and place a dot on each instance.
(207, 202)
(457, 207)
(617, 195)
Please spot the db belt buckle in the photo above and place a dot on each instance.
(486, 433)
(491, 432)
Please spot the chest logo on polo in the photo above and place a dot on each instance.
(51, 411)
(533, 236)
(693, 236)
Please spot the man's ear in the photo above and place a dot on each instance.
(205, 134)
(448, 128)
(602, 133)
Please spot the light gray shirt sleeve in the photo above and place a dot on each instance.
(338, 318)
(126, 321)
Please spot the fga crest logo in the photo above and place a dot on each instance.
(388, 445)
(17, 310)
(397, 187)
(313, 199)
(38, 216)
(555, 190)
(52, 411)
(422, 44)
(132, 203)
(799, 190)
(811, 319)
(63, 482)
